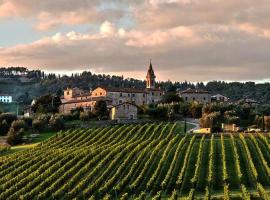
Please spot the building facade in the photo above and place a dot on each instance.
(219, 98)
(75, 97)
(124, 111)
(200, 96)
(5, 98)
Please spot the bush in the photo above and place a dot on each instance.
(18, 124)
(28, 121)
(84, 116)
(4, 127)
(39, 125)
(14, 137)
(76, 112)
(67, 116)
(8, 117)
(57, 123)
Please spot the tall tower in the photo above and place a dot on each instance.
(150, 78)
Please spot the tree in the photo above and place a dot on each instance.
(170, 98)
(196, 109)
(100, 109)
(18, 124)
(15, 137)
(57, 123)
(4, 127)
(46, 104)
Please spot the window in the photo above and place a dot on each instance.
(153, 101)
(194, 98)
(186, 98)
(153, 93)
(101, 94)
(133, 95)
(204, 98)
(128, 107)
(160, 94)
(121, 94)
(95, 94)
(120, 101)
(128, 95)
(124, 107)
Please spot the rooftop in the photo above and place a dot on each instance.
(194, 91)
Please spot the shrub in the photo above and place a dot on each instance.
(18, 124)
(8, 117)
(57, 123)
(4, 127)
(28, 121)
(39, 125)
(84, 116)
(67, 116)
(14, 137)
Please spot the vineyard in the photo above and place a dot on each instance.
(150, 161)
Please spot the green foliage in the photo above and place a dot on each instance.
(18, 124)
(9, 117)
(141, 161)
(46, 104)
(100, 109)
(57, 123)
(15, 137)
(39, 124)
(170, 98)
(4, 127)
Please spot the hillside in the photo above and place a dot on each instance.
(25, 85)
(152, 160)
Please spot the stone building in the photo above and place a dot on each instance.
(198, 95)
(124, 111)
(75, 97)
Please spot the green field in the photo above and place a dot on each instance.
(151, 161)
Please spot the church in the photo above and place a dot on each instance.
(75, 98)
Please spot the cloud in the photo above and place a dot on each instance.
(51, 14)
(194, 53)
(187, 39)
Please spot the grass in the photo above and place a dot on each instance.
(34, 143)
(180, 128)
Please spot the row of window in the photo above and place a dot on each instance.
(5, 100)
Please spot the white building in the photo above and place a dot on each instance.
(5, 98)
(219, 98)
(124, 111)
(198, 95)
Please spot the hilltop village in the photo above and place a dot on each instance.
(123, 102)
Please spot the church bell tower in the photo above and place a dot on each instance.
(150, 78)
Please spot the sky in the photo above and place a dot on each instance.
(193, 40)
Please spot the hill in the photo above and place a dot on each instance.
(138, 161)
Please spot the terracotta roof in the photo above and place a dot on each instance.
(197, 91)
(87, 100)
(124, 90)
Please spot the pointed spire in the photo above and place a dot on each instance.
(150, 70)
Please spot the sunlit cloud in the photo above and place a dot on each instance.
(187, 39)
